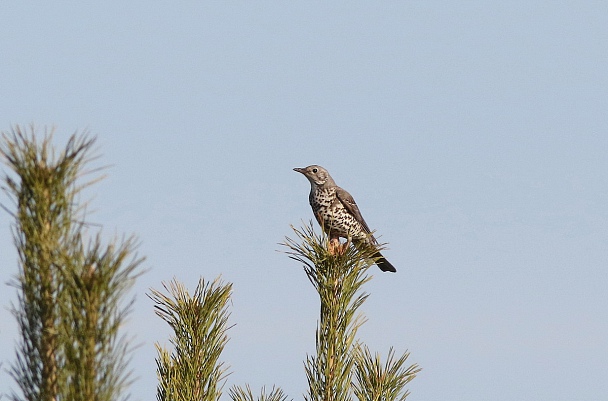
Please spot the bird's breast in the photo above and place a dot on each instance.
(331, 214)
(321, 199)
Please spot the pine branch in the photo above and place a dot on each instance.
(238, 393)
(338, 278)
(68, 297)
(377, 382)
(44, 191)
(96, 280)
(192, 371)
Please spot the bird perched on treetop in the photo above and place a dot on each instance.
(337, 213)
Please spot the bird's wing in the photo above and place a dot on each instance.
(350, 205)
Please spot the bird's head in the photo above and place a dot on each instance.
(317, 175)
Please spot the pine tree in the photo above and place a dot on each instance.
(69, 290)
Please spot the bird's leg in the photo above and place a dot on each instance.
(345, 246)
(334, 245)
(337, 248)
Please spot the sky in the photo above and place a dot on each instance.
(473, 136)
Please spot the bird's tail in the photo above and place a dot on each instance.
(384, 264)
(381, 261)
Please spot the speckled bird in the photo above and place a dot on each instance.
(337, 213)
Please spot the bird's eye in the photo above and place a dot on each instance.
(314, 170)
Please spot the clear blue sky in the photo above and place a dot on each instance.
(473, 135)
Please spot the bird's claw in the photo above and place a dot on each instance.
(336, 248)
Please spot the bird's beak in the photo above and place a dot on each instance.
(300, 170)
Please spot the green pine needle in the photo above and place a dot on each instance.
(192, 371)
(238, 393)
(374, 381)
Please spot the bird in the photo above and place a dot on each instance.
(337, 213)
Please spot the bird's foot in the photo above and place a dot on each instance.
(336, 248)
